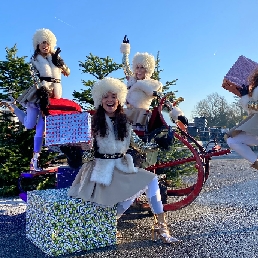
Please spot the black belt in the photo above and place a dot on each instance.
(108, 156)
(49, 79)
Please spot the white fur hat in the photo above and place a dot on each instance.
(44, 35)
(146, 60)
(108, 84)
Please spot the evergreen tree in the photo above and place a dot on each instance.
(98, 67)
(156, 75)
(166, 86)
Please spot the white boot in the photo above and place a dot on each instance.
(34, 162)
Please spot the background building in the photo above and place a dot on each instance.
(198, 129)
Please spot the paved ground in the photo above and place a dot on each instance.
(222, 222)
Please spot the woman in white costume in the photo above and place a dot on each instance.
(245, 134)
(46, 68)
(140, 86)
(142, 89)
(110, 178)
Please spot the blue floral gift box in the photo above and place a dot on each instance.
(58, 224)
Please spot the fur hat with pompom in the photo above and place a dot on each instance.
(146, 60)
(108, 84)
(44, 35)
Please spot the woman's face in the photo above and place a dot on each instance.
(140, 72)
(44, 48)
(110, 103)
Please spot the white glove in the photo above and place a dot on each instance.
(175, 112)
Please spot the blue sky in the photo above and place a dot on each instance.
(198, 40)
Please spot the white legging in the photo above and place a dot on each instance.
(30, 119)
(241, 144)
(153, 197)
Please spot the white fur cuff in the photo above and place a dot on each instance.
(176, 111)
(125, 48)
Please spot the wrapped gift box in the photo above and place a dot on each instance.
(65, 176)
(58, 224)
(71, 129)
(238, 74)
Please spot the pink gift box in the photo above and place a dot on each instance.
(68, 129)
(238, 74)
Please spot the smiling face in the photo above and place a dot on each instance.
(110, 103)
(140, 72)
(44, 48)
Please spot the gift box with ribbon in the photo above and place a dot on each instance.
(59, 224)
(68, 129)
